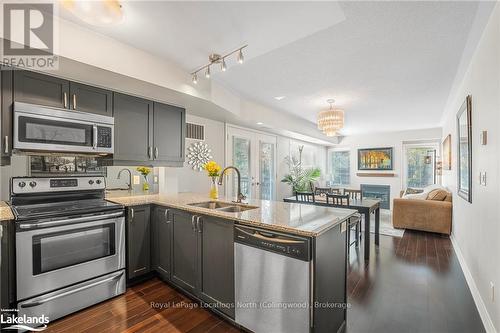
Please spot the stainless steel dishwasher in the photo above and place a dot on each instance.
(272, 281)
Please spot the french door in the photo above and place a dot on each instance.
(254, 154)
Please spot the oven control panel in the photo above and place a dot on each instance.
(104, 137)
(20, 185)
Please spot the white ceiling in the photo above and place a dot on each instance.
(390, 65)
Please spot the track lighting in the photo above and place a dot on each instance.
(240, 56)
(215, 58)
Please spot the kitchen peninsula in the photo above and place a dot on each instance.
(231, 257)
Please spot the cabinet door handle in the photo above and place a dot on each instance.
(140, 269)
(193, 222)
(156, 153)
(166, 216)
(65, 100)
(199, 224)
(150, 152)
(74, 101)
(6, 143)
(131, 214)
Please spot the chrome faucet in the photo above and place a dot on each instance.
(129, 185)
(221, 178)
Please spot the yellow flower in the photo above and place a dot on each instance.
(143, 170)
(212, 168)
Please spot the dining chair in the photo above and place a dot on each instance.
(353, 194)
(305, 197)
(354, 221)
(337, 199)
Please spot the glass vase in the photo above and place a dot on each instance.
(145, 185)
(214, 188)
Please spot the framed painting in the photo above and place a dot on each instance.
(447, 153)
(464, 151)
(375, 159)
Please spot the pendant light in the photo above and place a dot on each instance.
(332, 120)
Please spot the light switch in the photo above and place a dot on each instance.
(482, 178)
(137, 180)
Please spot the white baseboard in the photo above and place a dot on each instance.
(481, 307)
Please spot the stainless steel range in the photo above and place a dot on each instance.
(70, 244)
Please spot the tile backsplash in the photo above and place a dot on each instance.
(112, 181)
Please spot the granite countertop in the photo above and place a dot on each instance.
(300, 219)
(5, 212)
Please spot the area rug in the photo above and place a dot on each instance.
(386, 227)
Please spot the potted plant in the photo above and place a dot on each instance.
(144, 171)
(213, 170)
(299, 178)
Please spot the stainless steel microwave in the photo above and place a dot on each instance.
(40, 128)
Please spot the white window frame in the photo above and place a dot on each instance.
(419, 144)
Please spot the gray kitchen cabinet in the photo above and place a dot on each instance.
(6, 96)
(91, 99)
(184, 250)
(138, 241)
(216, 263)
(133, 131)
(35, 88)
(161, 241)
(169, 126)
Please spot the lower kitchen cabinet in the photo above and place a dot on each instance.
(203, 258)
(216, 263)
(161, 242)
(184, 250)
(138, 241)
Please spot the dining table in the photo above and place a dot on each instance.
(365, 206)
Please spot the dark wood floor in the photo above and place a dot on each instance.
(410, 284)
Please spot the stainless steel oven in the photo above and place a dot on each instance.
(41, 128)
(57, 253)
(70, 244)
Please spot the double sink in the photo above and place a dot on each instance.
(220, 206)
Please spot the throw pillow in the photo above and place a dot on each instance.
(437, 195)
(410, 190)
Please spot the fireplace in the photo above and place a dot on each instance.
(382, 192)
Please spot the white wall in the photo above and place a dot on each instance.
(190, 180)
(476, 225)
(386, 139)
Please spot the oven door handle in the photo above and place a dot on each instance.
(94, 136)
(41, 301)
(66, 221)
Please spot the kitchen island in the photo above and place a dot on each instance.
(265, 265)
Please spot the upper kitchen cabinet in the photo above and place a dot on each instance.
(86, 98)
(133, 132)
(5, 116)
(169, 132)
(35, 88)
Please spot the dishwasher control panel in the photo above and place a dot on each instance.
(288, 245)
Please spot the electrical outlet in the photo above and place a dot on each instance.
(492, 286)
(136, 180)
(155, 180)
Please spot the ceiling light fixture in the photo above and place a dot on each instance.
(240, 56)
(215, 58)
(332, 120)
(279, 98)
(98, 13)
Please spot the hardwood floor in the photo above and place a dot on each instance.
(410, 284)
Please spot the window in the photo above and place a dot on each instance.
(339, 167)
(420, 166)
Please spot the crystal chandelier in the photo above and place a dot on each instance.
(331, 120)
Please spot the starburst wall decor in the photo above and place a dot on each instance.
(198, 155)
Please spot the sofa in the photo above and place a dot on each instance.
(430, 210)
